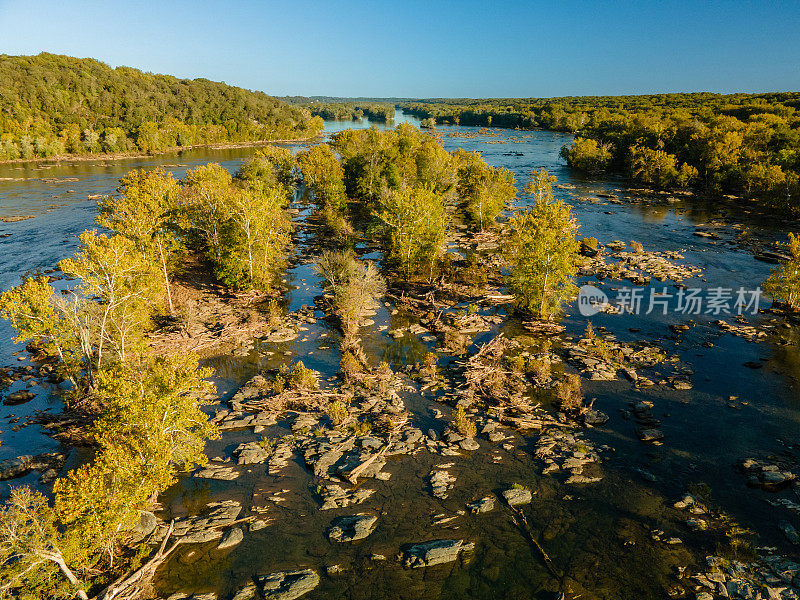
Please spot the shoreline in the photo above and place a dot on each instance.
(172, 150)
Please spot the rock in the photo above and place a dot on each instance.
(258, 525)
(333, 496)
(517, 496)
(219, 472)
(481, 506)
(288, 585)
(352, 528)
(435, 552)
(19, 397)
(10, 468)
(789, 531)
(650, 435)
(251, 453)
(248, 592)
(589, 246)
(441, 482)
(469, 444)
(146, 525)
(231, 538)
(594, 417)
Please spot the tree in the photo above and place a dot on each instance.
(151, 427)
(356, 287)
(122, 283)
(37, 314)
(586, 154)
(323, 174)
(146, 213)
(270, 167)
(33, 554)
(541, 250)
(783, 283)
(208, 193)
(485, 190)
(255, 238)
(416, 224)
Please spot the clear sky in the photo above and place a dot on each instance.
(428, 48)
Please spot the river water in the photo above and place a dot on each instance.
(600, 534)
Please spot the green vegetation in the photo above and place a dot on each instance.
(462, 423)
(783, 283)
(341, 110)
(52, 105)
(241, 220)
(416, 225)
(147, 424)
(541, 251)
(485, 190)
(356, 287)
(743, 144)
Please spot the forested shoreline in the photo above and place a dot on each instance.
(742, 144)
(53, 106)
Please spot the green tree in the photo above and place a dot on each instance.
(34, 553)
(783, 283)
(541, 250)
(416, 225)
(255, 238)
(586, 154)
(37, 314)
(124, 286)
(485, 190)
(324, 176)
(146, 213)
(151, 427)
(207, 199)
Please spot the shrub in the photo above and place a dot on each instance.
(337, 411)
(569, 393)
(462, 423)
(302, 378)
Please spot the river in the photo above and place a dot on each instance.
(600, 535)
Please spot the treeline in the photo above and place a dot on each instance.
(744, 144)
(147, 422)
(54, 105)
(343, 111)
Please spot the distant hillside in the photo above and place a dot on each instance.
(53, 105)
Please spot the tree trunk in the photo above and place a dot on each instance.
(166, 277)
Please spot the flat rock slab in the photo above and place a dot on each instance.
(288, 585)
(231, 538)
(435, 552)
(517, 497)
(352, 528)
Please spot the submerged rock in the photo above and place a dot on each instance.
(435, 552)
(288, 585)
(352, 528)
(19, 397)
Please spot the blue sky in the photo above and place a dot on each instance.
(428, 48)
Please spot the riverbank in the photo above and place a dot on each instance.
(71, 158)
